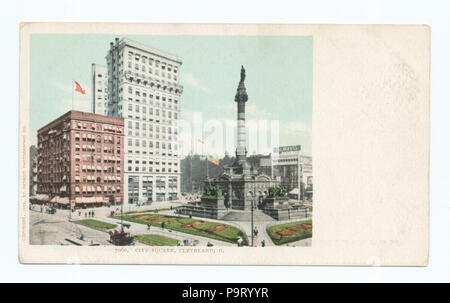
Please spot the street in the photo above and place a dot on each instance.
(54, 229)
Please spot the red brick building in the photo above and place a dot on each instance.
(80, 161)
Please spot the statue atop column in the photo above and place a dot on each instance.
(241, 94)
(240, 98)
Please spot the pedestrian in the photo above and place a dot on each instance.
(263, 243)
(255, 231)
(92, 213)
(162, 225)
(85, 215)
(148, 226)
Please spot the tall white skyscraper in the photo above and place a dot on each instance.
(144, 89)
(99, 77)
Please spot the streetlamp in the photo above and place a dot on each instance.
(299, 177)
(252, 218)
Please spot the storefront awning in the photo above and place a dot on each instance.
(87, 199)
(60, 200)
(42, 197)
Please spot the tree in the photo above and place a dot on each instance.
(276, 192)
(212, 192)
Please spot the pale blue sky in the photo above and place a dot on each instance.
(278, 77)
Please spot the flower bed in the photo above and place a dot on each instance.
(290, 232)
(139, 217)
(172, 219)
(285, 233)
(154, 218)
(190, 226)
(295, 228)
(217, 228)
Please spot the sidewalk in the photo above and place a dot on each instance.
(138, 228)
(242, 225)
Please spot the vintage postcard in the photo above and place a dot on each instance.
(228, 144)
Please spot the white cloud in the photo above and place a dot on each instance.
(190, 80)
(81, 102)
(295, 127)
(296, 132)
(255, 111)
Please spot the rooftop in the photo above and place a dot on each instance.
(83, 116)
(154, 51)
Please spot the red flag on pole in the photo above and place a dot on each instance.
(78, 88)
(213, 161)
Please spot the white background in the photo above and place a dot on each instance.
(433, 13)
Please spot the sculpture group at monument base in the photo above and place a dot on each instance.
(279, 209)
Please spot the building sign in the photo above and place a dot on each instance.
(285, 149)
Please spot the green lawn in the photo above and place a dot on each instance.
(96, 224)
(229, 234)
(150, 210)
(156, 240)
(298, 234)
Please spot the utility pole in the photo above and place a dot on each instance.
(300, 173)
(251, 211)
(121, 217)
(252, 221)
(207, 173)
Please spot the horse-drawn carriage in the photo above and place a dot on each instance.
(120, 238)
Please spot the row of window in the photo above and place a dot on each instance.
(151, 162)
(157, 136)
(97, 127)
(151, 127)
(149, 70)
(133, 181)
(98, 189)
(137, 143)
(150, 169)
(97, 138)
(98, 168)
(151, 62)
(155, 104)
(98, 179)
(137, 110)
(137, 92)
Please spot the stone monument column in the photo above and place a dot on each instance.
(241, 97)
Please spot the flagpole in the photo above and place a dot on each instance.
(207, 174)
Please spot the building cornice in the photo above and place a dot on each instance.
(153, 51)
